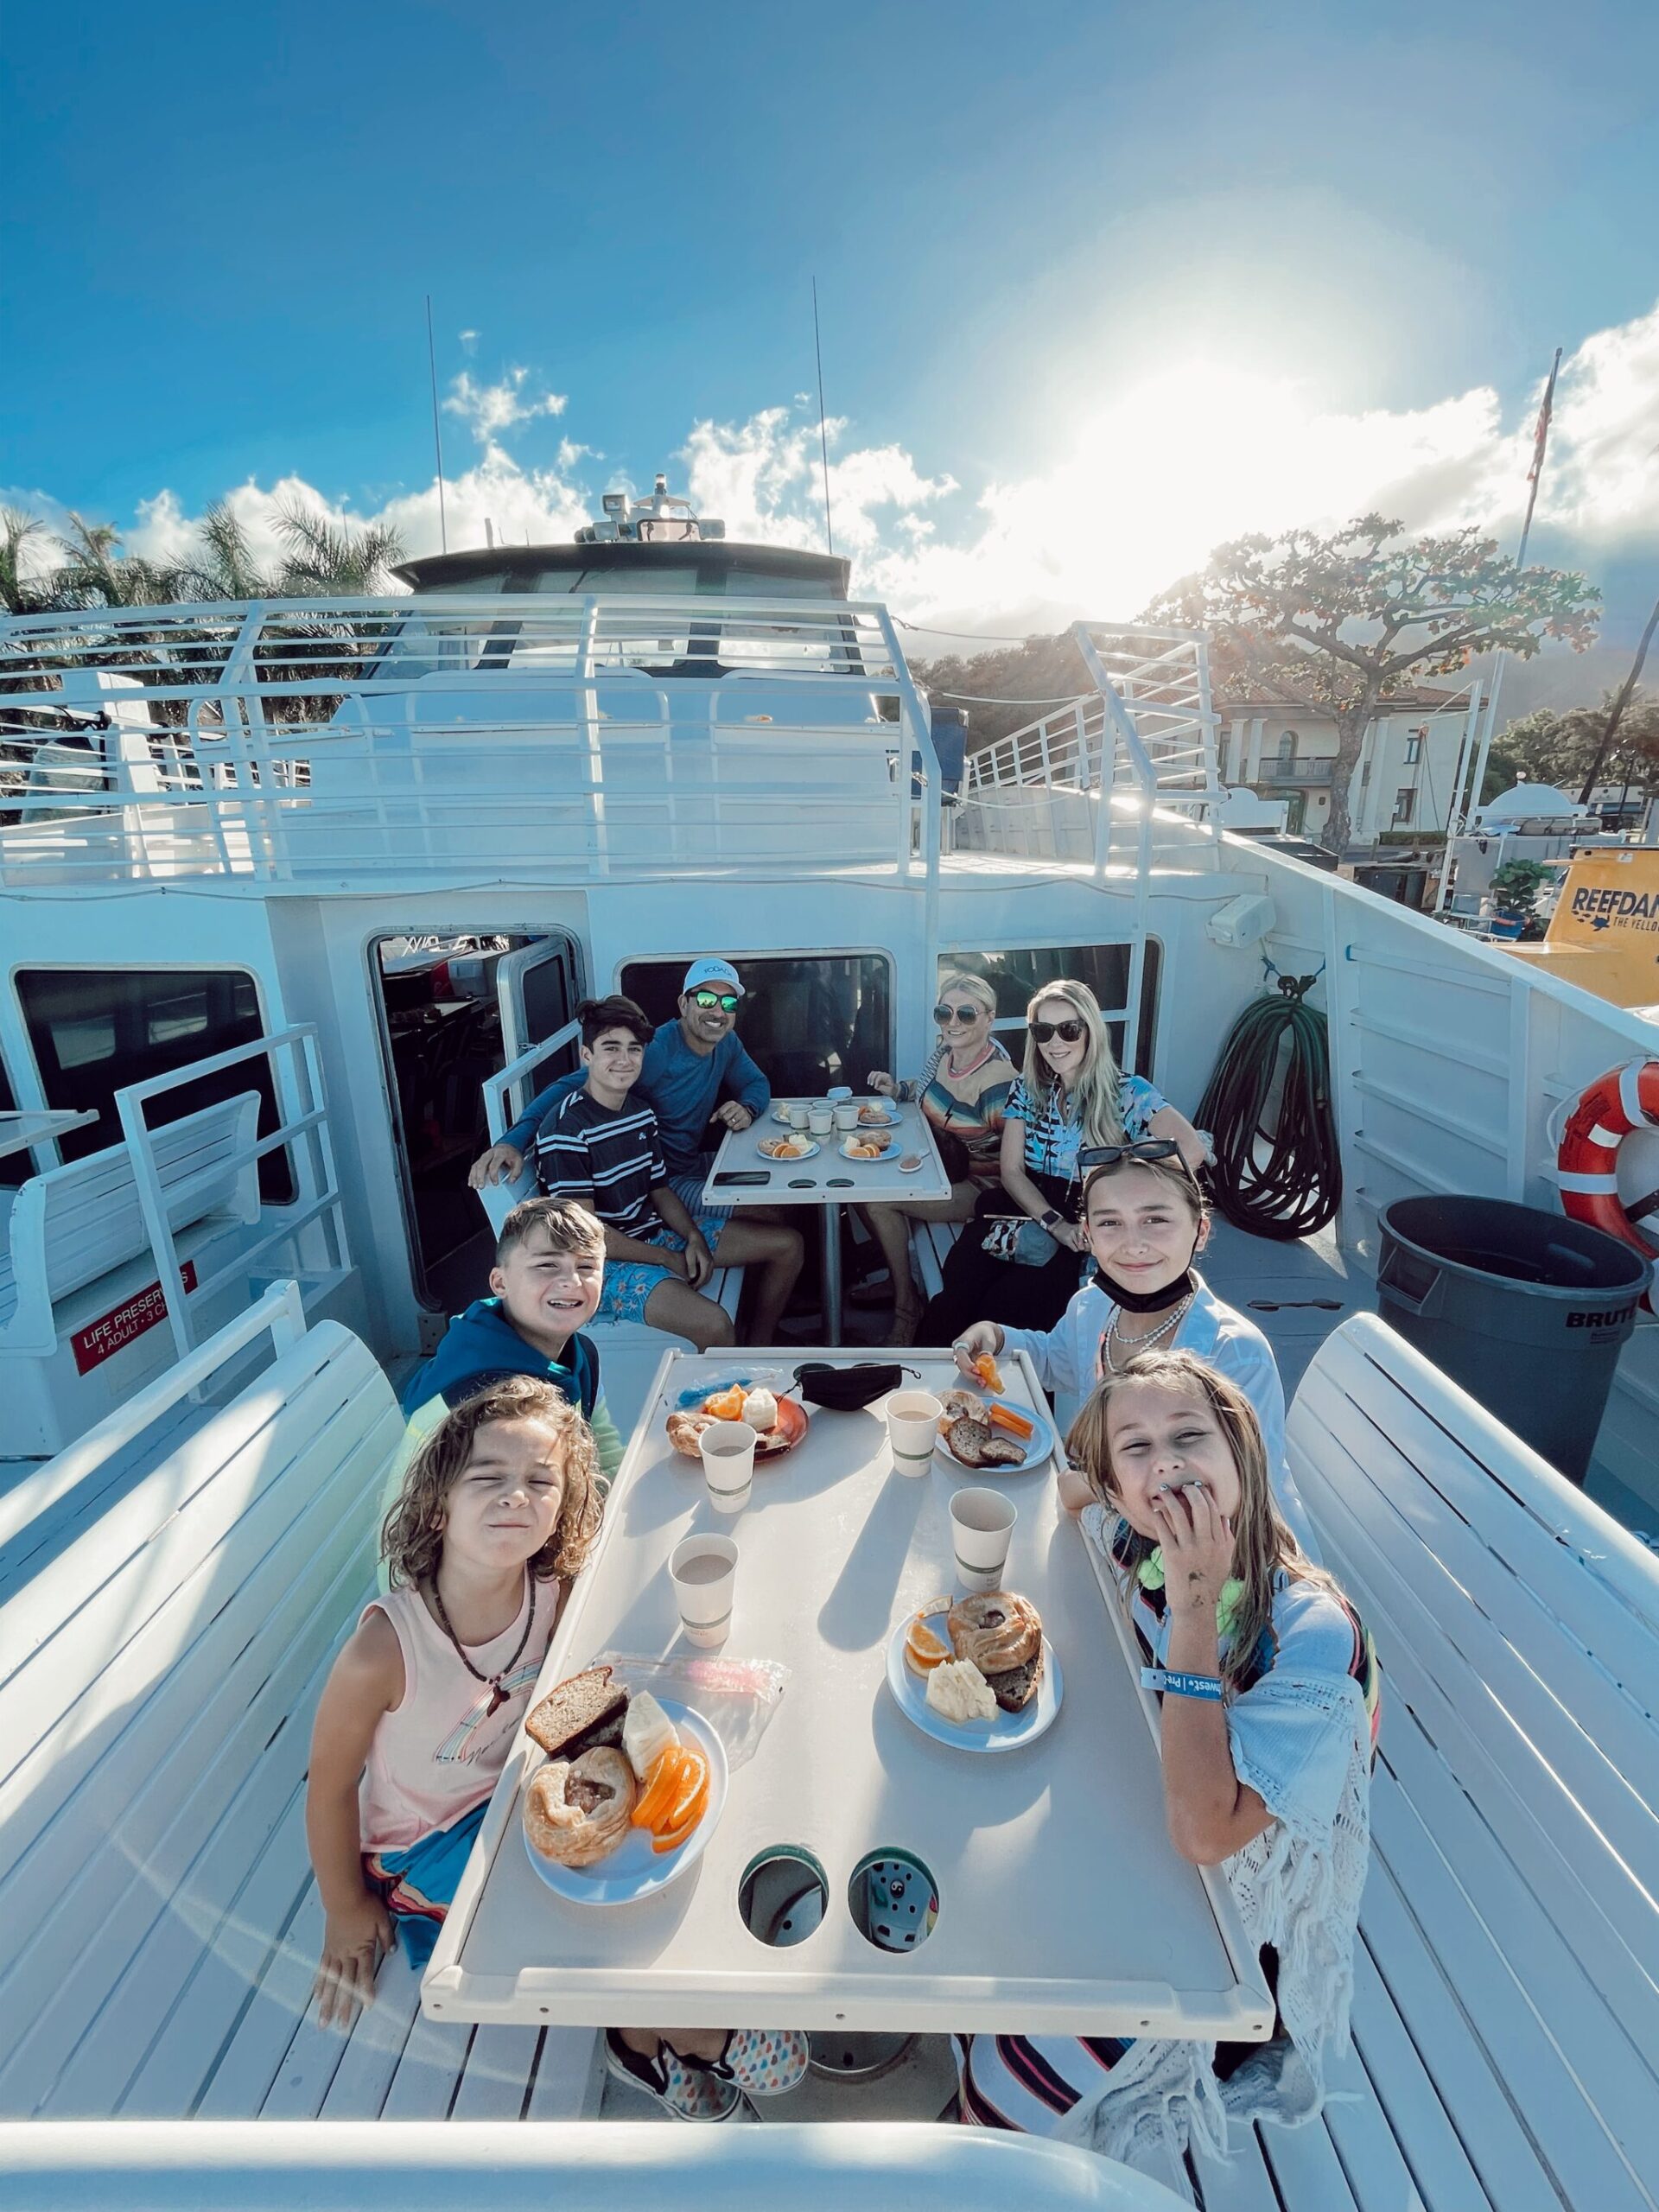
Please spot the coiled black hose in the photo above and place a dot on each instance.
(1286, 1182)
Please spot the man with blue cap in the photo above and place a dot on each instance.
(694, 1072)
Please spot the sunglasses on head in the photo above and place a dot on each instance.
(1070, 1031)
(942, 1013)
(1107, 1155)
(726, 1001)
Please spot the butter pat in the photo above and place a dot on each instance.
(647, 1733)
(957, 1692)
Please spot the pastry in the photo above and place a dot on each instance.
(579, 1715)
(646, 1732)
(685, 1426)
(1003, 1636)
(957, 1692)
(576, 1811)
(761, 1411)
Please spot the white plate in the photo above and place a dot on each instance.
(633, 1869)
(857, 1136)
(1006, 1733)
(810, 1143)
(1039, 1446)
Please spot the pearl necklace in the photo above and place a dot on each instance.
(1114, 1337)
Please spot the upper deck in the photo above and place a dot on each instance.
(548, 734)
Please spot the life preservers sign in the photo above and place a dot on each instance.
(1616, 1106)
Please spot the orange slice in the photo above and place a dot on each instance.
(670, 1839)
(692, 1784)
(725, 1405)
(988, 1373)
(923, 1649)
(661, 1788)
(1007, 1417)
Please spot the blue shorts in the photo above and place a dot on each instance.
(629, 1283)
(688, 1189)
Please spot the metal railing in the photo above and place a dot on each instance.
(1305, 770)
(551, 736)
(302, 1131)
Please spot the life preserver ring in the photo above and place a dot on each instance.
(1615, 1106)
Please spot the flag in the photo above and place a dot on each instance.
(1540, 435)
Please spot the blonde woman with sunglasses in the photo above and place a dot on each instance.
(1071, 1095)
(963, 1091)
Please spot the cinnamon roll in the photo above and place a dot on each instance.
(996, 1629)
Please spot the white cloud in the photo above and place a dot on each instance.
(490, 409)
(1143, 489)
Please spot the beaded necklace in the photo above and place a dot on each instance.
(1114, 1338)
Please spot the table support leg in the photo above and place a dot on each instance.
(831, 1278)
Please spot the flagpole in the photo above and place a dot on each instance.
(1541, 440)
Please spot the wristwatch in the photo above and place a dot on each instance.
(1048, 1220)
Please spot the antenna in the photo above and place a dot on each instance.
(823, 436)
(437, 434)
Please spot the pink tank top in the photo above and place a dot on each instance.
(440, 1752)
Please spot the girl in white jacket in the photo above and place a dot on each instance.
(1147, 1221)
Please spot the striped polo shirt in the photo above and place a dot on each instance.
(609, 1162)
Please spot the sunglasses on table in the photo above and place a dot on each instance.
(1108, 1155)
(942, 1013)
(1069, 1031)
(726, 1001)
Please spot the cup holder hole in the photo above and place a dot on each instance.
(893, 1899)
(783, 1896)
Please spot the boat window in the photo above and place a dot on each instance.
(94, 1031)
(1016, 975)
(810, 1019)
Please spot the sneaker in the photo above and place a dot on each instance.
(689, 2090)
(765, 2061)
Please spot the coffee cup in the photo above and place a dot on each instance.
(798, 1112)
(703, 1571)
(912, 1430)
(846, 1113)
(821, 1117)
(981, 1527)
(727, 1450)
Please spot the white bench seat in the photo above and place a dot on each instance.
(157, 1680)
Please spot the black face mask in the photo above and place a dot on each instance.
(849, 1389)
(1145, 1301)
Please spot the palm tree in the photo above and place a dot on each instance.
(325, 559)
(21, 593)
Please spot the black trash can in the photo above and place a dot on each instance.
(1526, 1310)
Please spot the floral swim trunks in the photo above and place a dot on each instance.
(629, 1283)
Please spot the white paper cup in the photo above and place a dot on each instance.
(703, 1571)
(981, 1527)
(728, 1449)
(913, 1430)
(846, 1113)
(798, 1112)
(821, 1117)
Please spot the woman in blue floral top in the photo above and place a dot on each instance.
(1070, 1097)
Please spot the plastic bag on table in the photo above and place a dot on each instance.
(736, 1697)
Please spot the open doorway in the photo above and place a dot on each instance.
(454, 1009)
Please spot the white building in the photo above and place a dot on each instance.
(1278, 743)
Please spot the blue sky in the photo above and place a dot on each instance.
(1043, 237)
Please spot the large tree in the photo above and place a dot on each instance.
(1353, 618)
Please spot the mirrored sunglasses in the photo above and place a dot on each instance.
(1070, 1031)
(1107, 1155)
(943, 1014)
(726, 1001)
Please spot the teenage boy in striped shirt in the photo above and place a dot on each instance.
(600, 1146)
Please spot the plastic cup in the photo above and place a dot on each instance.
(912, 1430)
(728, 1449)
(798, 1112)
(821, 1117)
(981, 1527)
(703, 1571)
(846, 1113)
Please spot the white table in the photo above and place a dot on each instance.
(23, 1128)
(1062, 1905)
(828, 1180)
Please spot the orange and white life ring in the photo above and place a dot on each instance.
(1614, 1107)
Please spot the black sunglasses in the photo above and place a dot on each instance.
(1070, 1031)
(1107, 1155)
(726, 1001)
(943, 1014)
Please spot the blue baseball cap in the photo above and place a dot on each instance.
(704, 974)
